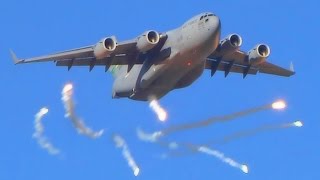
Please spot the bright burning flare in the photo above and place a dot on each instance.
(44, 111)
(278, 105)
(298, 124)
(245, 169)
(136, 172)
(161, 112)
(67, 88)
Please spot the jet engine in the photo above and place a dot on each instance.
(105, 47)
(230, 44)
(147, 41)
(259, 54)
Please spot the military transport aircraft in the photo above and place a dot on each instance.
(154, 64)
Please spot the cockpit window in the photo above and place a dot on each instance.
(206, 15)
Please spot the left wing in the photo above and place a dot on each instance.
(229, 58)
(84, 56)
(80, 53)
(124, 53)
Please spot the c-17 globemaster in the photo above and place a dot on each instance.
(153, 64)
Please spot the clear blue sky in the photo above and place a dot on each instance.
(291, 28)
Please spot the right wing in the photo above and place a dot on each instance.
(237, 62)
(229, 58)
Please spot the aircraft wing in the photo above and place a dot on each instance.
(126, 53)
(237, 62)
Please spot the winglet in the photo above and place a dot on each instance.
(291, 67)
(15, 59)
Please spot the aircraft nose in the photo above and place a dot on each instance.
(214, 30)
(215, 23)
(214, 27)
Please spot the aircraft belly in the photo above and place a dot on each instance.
(124, 84)
(151, 75)
(175, 76)
(155, 70)
(190, 77)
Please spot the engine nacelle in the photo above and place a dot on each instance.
(147, 41)
(229, 44)
(105, 47)
(259, 54)
(233, 41)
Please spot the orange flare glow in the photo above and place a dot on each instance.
(161, 112)
(67, 88)
(279, 105)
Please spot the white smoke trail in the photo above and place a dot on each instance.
(277, 105)
(120, 143)
(230, 138)
(223, 158)
(255, 131)
(160, 111)
(153, 137)
(148, 137)
(67, 94)
(173, 145)
(39, 131)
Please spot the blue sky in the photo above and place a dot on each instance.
(34, 28)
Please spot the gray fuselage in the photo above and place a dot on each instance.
(189, 47)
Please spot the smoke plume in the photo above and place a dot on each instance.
(277, 105)
(39, 133)
(223, 158)
(120, 143)
(69, 106)
(232, 137)
(255, 131)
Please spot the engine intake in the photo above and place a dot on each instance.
(235, 40)
(105, 47)
(259, 54)
(147, 41)
(229, 44)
